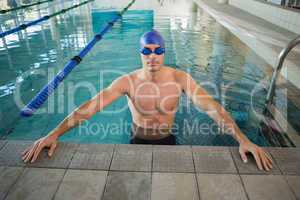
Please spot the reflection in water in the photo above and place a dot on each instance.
(12, 3)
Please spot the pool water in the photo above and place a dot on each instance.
(195, 43)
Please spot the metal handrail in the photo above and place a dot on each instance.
(284, 52)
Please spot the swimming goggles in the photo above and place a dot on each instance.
(158, 51)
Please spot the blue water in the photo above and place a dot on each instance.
(200, 46)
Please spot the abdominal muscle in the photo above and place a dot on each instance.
(153, 106)
(156, 125)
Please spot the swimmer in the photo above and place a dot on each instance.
(153, 93)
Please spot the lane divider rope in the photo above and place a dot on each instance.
(23, 6)
(46, 17)
(48, 89)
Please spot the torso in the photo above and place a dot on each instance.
(153, 104)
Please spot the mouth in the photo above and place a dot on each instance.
(151, 63)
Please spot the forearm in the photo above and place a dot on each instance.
(206, 102)
(84, 112)
(225, 122)
(71, 121)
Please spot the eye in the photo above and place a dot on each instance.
(159, 51)
(146, 51)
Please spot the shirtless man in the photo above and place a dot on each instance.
(153, 94)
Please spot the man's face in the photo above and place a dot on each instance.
(152, 62)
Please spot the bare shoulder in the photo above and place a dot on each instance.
(125, 79)
(181, 75)
(171, 71)
(134, 74)
(121, 83)
(125, 82)
(121, 80)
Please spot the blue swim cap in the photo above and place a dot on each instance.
(152, 37)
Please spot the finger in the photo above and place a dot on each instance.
(269, 160)
(52, 149)
(24, 156)
(37, 152)
(30, 153)
(269, 157)
(26, 153)
(26, 150)
(269, 164)
(243, 156)
(257, 159)
(263, 158)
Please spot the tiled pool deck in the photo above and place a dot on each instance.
(104, 171)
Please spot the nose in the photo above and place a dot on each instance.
(152, 55)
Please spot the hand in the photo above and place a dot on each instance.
(261, 157)
(32, 152)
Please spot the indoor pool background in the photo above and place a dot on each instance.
(195, 43)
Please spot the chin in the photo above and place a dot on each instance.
(154, 68)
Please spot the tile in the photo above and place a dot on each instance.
(36, 183)
(128, 185)
(2, 143)
(61, 158)
(250, 167)
(294, 183)
(132, 158)
(8, 176)
(220, 186)
(82, 184)
(168, 158)
(267, 187)
(288, 160)
(174, 186)
(11, 153)
(92, 156)
(213, 160)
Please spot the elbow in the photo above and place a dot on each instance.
(83, 112)
(212, 108)
(80, 117)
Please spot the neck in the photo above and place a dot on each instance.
(152, 76)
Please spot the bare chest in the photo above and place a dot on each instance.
(149, 98)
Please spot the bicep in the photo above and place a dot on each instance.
(196, 93)
(109, 94)
(189, 86)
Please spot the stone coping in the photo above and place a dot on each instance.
(125, 171)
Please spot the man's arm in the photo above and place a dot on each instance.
(118, 87)
(203, 100)
(85, 111)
